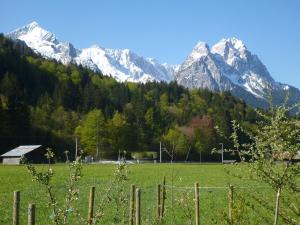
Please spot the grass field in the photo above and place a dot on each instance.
(213, 195)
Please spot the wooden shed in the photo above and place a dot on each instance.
(34, 154)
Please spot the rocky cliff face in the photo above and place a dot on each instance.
(226, 66)
(123, 65)
(230, 66)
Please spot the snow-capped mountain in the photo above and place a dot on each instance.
(230, 66)
(123, 65)
(44, 42)
(226, 66)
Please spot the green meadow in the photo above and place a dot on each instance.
(213, 179)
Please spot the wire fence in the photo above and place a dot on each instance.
(178, 203)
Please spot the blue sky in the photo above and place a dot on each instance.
(168, 29)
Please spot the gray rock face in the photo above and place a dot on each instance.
(229, 66)
(123, 65)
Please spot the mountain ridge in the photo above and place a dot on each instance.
(226, 66)
(230, 66)
(122, 64)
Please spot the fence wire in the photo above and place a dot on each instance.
(179, 202)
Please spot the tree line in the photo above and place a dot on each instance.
(45, 102)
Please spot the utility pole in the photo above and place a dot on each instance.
(76, 147)
(97, 137)
(222, 152)
(200, 156)
(160, 151)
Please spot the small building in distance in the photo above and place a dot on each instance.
(33, 154)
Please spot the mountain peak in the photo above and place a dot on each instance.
(237, 43)
(96, 46)
(33, 32)
(228, 65)
(229, 44)
(230, 49)
(234, 42)
(201, 49)
(29, 27)
(122, 64)
(32, 24)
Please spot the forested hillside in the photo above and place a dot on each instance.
(44, 102)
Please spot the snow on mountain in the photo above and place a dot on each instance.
(44, 42)
(230, 66)
(199, 51)
(123, 65)
(226, 66)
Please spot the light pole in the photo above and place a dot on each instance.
(222, 151)
(159, 152)
(97, 139)
(200, 156)
(76, 147)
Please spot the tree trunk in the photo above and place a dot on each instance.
(277, 206)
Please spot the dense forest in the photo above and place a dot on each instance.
(45, 102)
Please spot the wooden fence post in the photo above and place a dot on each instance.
(131, 205)
(138, 207)
(158, 201)
(230, 202)
(16, 208)
(91, 205)
(197, 204)
(163, 198)
(31, 214)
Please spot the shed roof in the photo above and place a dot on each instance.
(21, 150)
